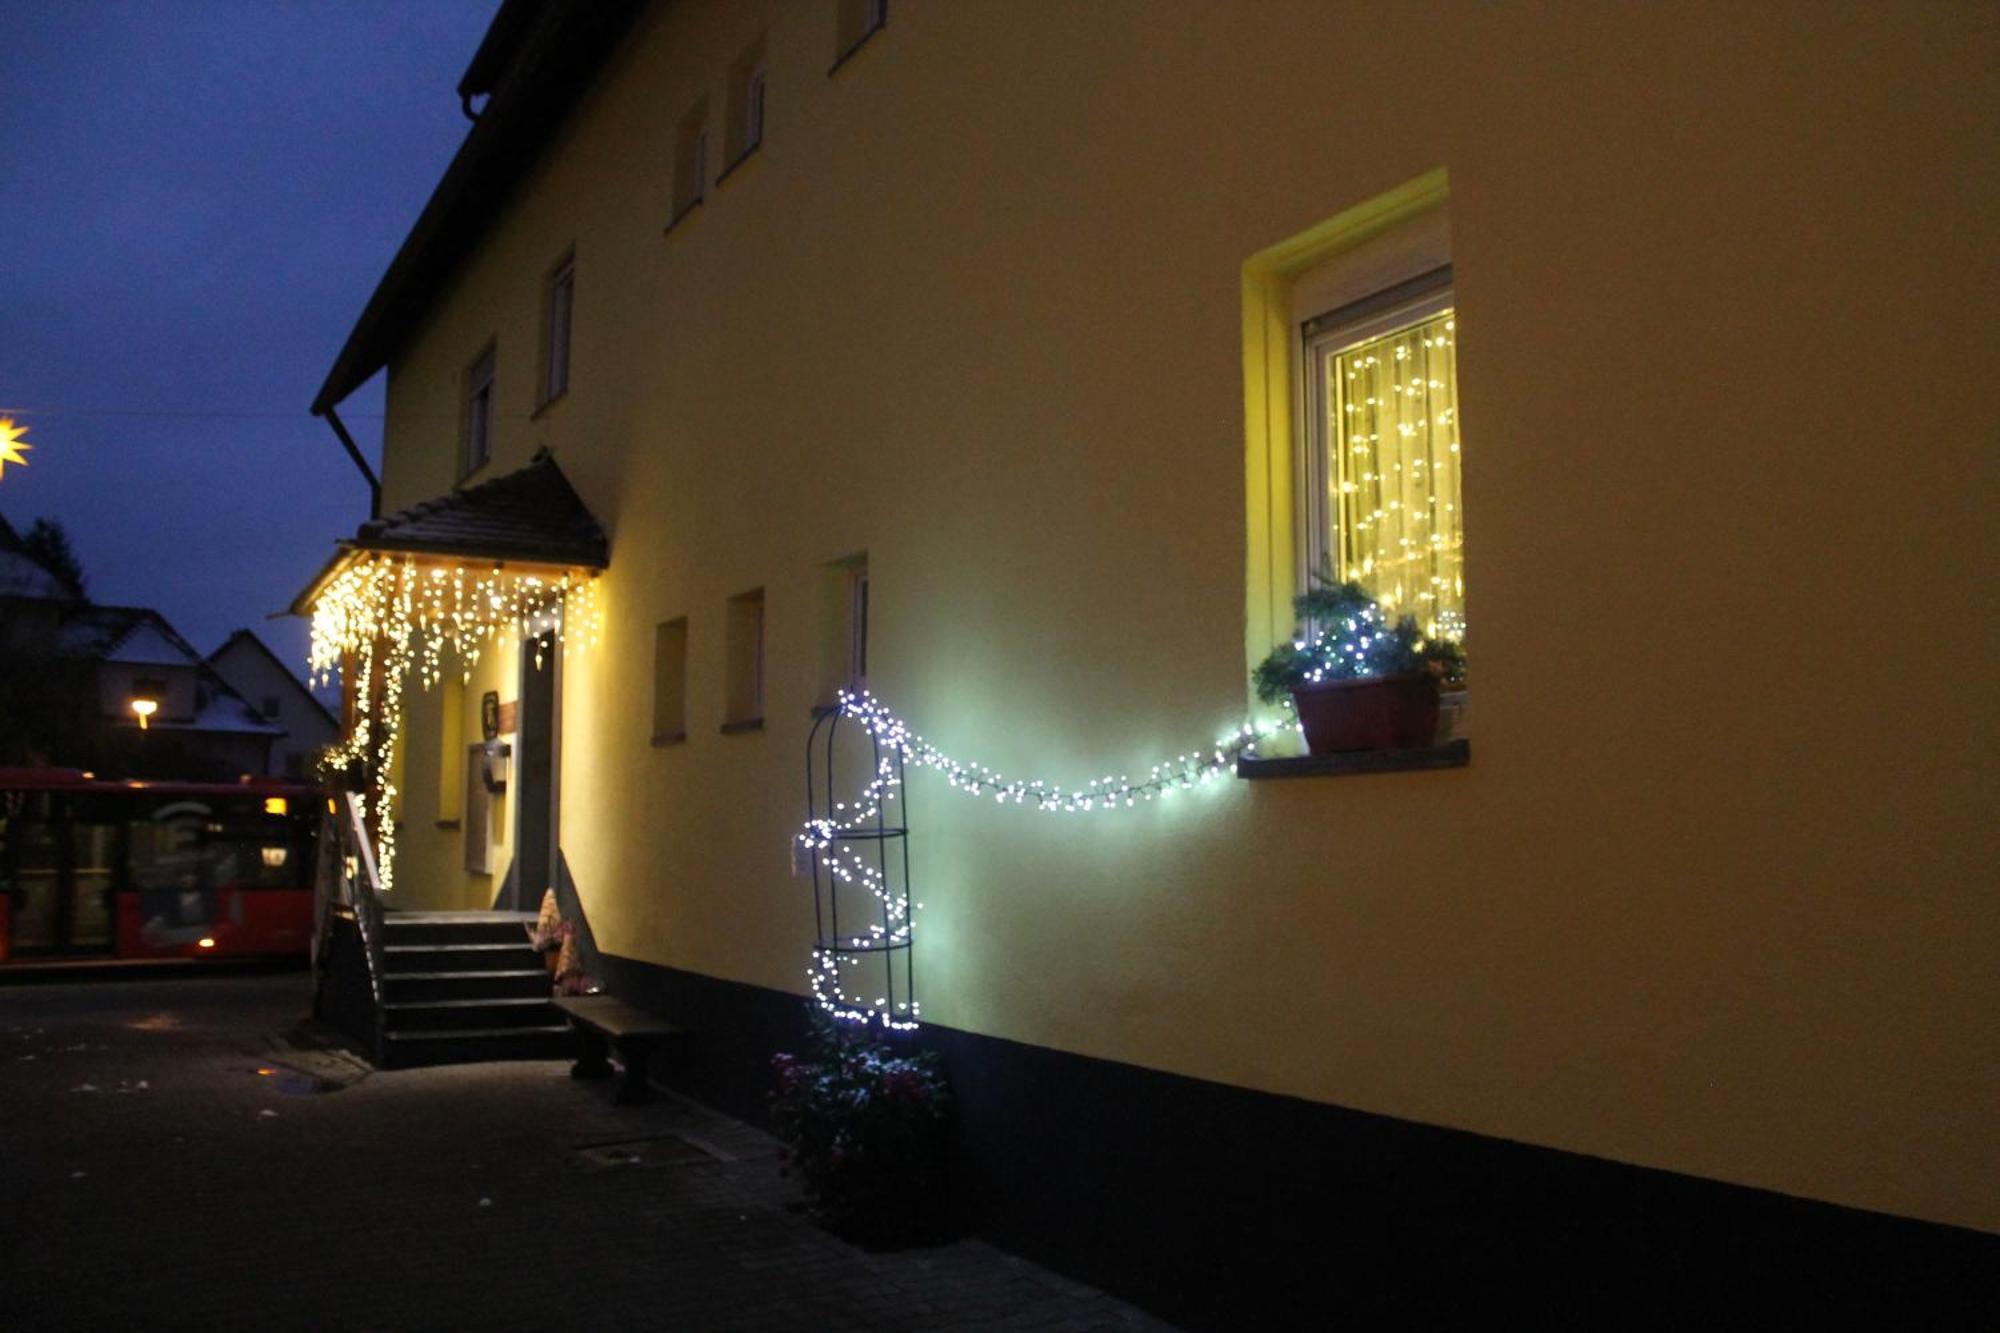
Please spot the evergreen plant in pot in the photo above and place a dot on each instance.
(1357, 681)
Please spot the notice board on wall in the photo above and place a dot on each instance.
(477, 825)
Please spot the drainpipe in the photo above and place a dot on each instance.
(354, 452)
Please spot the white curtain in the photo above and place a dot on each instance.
(1393, 472)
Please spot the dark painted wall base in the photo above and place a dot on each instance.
(1222, 1208)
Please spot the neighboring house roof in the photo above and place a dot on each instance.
(536, 61)
(147, 644)
(21, 576)
(226, 710)
(251, 641)
(98, 632)
(141, 636)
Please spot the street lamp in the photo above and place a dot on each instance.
(145, 708)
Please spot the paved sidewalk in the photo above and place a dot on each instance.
(168, 1159)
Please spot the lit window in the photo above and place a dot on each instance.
(690, 160)
(560, 300)
(1384, 504)
(478, 414)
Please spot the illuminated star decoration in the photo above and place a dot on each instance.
(12, 450)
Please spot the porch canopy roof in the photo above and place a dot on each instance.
(529, 519)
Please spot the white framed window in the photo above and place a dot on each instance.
(753, 108)
(747, 79)
(670, 644)
(477, 445)
(1385, 503)
(743, 704)
(855, 21)
(1380, 495)
(559, 302)
(843, 628)
(857, 626)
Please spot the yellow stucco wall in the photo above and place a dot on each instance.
(1715, 893)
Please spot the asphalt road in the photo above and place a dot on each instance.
(187, 1153)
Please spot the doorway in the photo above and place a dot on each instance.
(534, 774)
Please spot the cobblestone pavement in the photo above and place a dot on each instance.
(175, 1153)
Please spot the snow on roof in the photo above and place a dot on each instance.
(22, 577)
(148, 644)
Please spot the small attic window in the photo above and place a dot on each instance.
(855, 21)
(477, 445)
(690, 162)
(746, 105)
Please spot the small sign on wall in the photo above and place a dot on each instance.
(495, 718)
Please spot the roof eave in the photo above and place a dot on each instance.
(548, 75)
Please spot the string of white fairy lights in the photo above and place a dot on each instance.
(390, 615)
(828, 838)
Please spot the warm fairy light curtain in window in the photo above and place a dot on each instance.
(1393, 474)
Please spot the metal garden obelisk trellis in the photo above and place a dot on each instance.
(860, 853)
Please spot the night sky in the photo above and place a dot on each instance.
(196, 199)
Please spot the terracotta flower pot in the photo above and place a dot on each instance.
(1375, 713)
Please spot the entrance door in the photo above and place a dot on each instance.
(534, 775)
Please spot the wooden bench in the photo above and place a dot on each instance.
(605, 1023)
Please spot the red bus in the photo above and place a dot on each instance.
(92, 868)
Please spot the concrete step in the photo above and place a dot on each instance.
(491, 957)
(408, 1050)
(456, 927)
(414, 987)
(482, 1012)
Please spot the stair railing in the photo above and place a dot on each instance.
(347, 885)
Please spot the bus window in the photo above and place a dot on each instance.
(94, 853)
(31, 868)
(170, 873)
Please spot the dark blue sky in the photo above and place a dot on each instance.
(196, 198)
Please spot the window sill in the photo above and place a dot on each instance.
(854, 47)
(672, 738)
(742, 725)
(738, 161)
(687, 211)
(1452, 754)
(542, 409)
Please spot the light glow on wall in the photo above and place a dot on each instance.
(823, 839)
